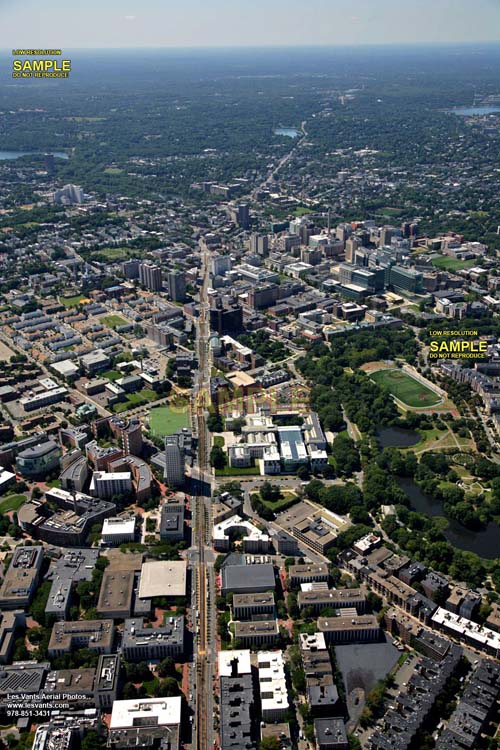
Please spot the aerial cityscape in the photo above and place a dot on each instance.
(250, 399)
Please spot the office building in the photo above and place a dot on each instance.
(163, 578)
(298, 574)
(72, 567)
(38, 460)
(129, 433)
(330, 734)
(247, 606)
(256, 633)
(346, 629)
(21, 578)
(145, 722)
(106, 484)
(247, 579)
(96, 635)
(116, 531)
(142, 644)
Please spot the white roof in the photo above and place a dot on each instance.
(272, 681)
(160, 578)
(226, 657)
(221, 529)
(469, 629)
(118, 526)
(66, 367)
(161, 711)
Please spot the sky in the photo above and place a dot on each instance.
(234, 23)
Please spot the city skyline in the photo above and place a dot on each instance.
(245, 24)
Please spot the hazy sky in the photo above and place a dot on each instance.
(201, 23)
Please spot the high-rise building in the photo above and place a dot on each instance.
(177, 285)
(150, 276)
(130, 269)
(174, 462)
(259, 244)
(351, 245)
(219, 264)
(69, 194)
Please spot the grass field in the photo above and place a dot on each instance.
(135, 399)
(71, 301)
(288, 499)
(234, 471)
(452, 264)
(164, 420)
(112, 374)
(113, 321)
(13, 502)
(405, 388)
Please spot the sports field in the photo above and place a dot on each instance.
(405, 388)
(164, 420)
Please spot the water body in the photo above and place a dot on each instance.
(485, 543)
(289, 132)
(397, 437)
(470, 111)
(4, 155)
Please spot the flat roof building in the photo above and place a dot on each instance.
(145, 722)
(141, 643)
(360, 629)
(163, 578)
(97, 635)
(117, 531)
(21, 578)
(243, 579)
(272, 686)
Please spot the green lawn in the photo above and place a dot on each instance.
(135, 399)
(112, 374)
(405, 388)
(13, 502)
(71, 301)
(113, 321)
(288, 499)
(164, 420)
(230, 471)
(452, 264)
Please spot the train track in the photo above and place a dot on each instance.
(202, 522)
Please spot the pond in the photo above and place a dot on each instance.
(485, 543)
(4, 155)
(289, 132)
(397, 437)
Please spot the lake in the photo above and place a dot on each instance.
(485, 543)
(289, 132)
(397, 437)
(4, 155)
(470, 111)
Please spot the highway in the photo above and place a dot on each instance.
(201, 553)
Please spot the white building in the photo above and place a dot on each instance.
(118, 530)
(272, 686)
(105, 484)
(254, 540)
